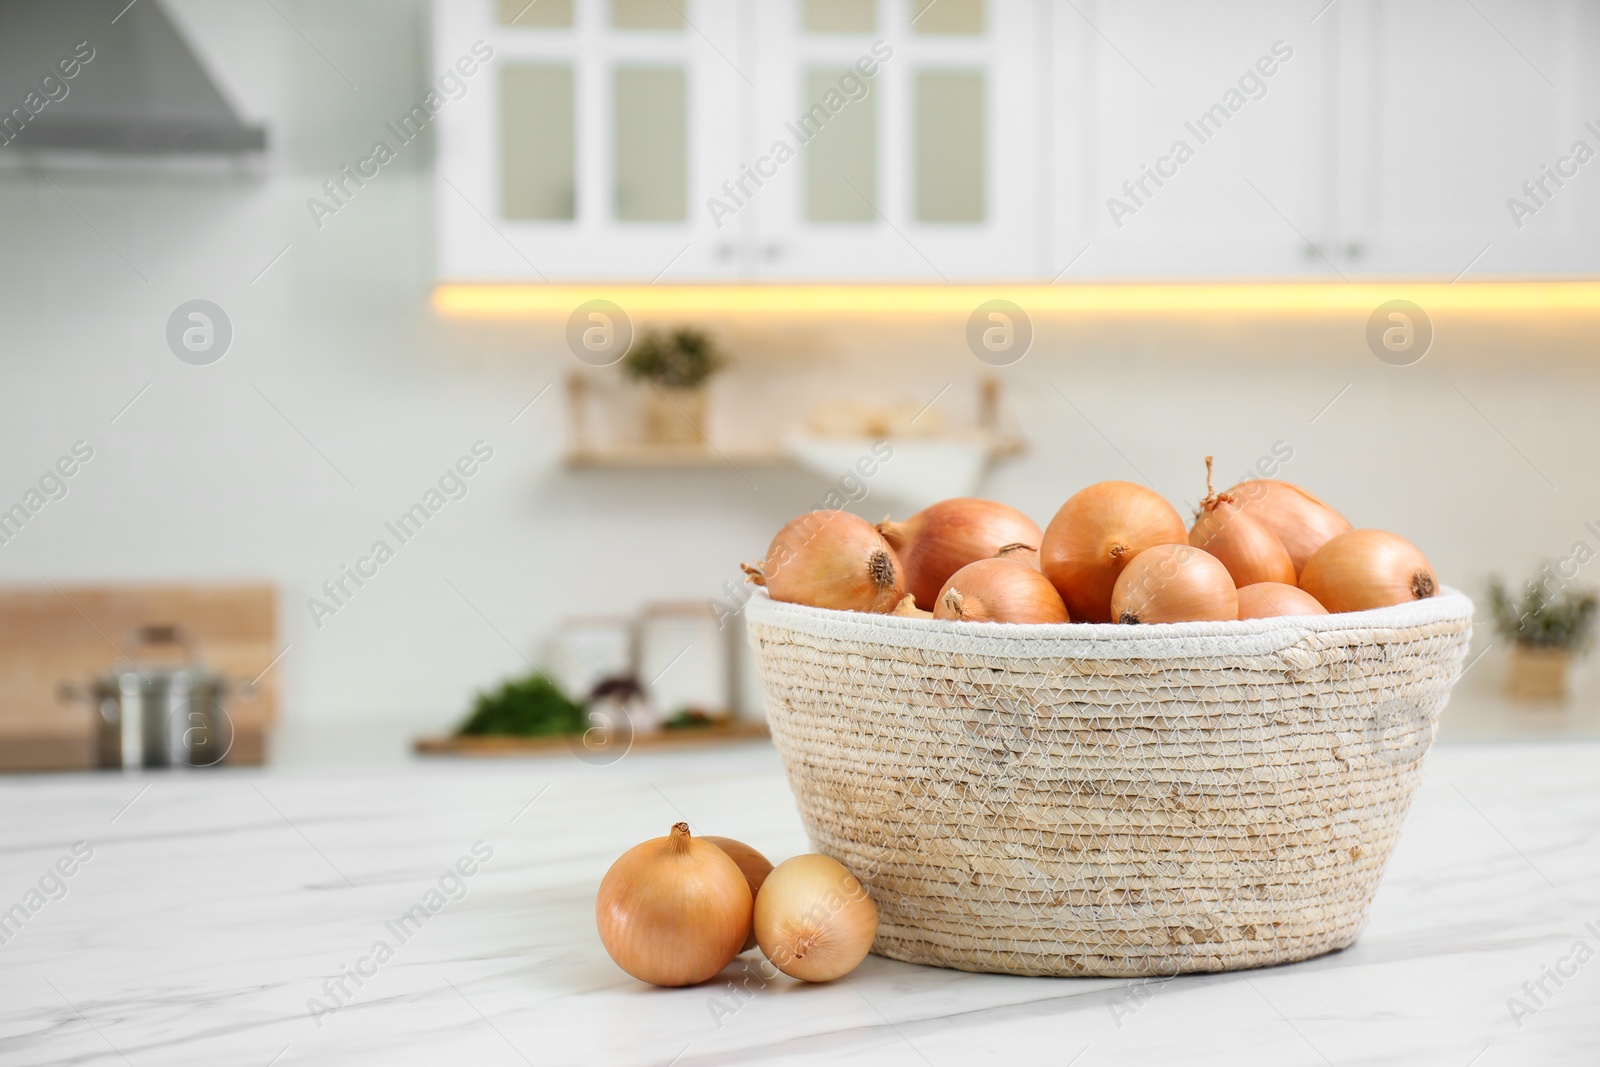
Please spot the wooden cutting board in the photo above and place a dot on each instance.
(50, 635)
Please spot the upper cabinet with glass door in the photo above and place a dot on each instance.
(581, 153)
(895, 139)
(711, 139)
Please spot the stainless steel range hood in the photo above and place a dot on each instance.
(109, 76)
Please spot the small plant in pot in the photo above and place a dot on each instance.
(1547, 627)
(674, 366)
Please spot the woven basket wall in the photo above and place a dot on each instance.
(1109, 800)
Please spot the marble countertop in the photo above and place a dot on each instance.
(236, 917)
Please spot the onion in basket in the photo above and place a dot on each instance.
(831, 559)
(1271, 600)
(1366, 569)
(999, 590)
(942, 538)
(1302, 522)
(1094, 535)
(1175, 583)
(814, 919)
(1251, 552)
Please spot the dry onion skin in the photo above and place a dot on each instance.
(1251, 552)
(814, 919)
(1366, 569)
(1175, 583)
(753, 865)
(999, 590)
(675, 910)
(942, 538)
(831, 559)
(1301, 522)
(1095, 535)
(907, 609)
(1273, 600)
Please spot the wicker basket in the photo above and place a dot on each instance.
(1109, 800)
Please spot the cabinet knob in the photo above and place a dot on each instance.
(727, 251)
(1354, 250)
(771, 252)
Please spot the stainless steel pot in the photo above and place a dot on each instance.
(151, 713)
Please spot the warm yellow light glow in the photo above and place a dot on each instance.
(496, 300)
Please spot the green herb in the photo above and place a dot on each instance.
(1543, 618)
(682, 359)
(689, 719)
(525, 707)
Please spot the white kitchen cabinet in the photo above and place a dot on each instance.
(929, 169)
(928, 140)
(909, 145)
(1188, 139)
(1448, 109)
(582, 153)
(1387, 143)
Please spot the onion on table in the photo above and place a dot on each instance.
(675, 910)
(814, 919)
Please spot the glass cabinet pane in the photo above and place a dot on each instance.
(950, 145)
(535, 14)
(537, 175)
(839, 131)
(841, 16)
(962, 18)
(647, 14)
(651, 144)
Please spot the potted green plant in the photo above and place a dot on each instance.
(1546, 628)
(674, 366)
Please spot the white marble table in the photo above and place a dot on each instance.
(215, 906)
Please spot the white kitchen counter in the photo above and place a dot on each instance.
(214, 905)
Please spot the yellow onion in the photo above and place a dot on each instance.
(1301, 522)
(1270, 600)
(814, 919)
(942, 538)
(1251, 552)
(831, 559)
(1175, 583)
(907, 609)
(1094, 535)
(753, 865)
(999, 590)
(675, 910)
(1022, 553)
(1366, 569)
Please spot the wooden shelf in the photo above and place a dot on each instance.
(634, 457)
(500, 747)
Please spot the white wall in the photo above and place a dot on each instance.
(202, 479)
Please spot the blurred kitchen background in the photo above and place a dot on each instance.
(398, 216)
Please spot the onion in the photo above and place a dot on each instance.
(1269, 600)
(1366, 569)
(753, 865)
(814, 920)
(999, 590)
(1094, 535)
(1251, 552)
(1175, 583)
(831, 559)
(1028, 554)
(907, 609)
(942, 538)
(1302, 522)
(675, 910)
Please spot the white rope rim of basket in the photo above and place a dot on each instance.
(1102, 640)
